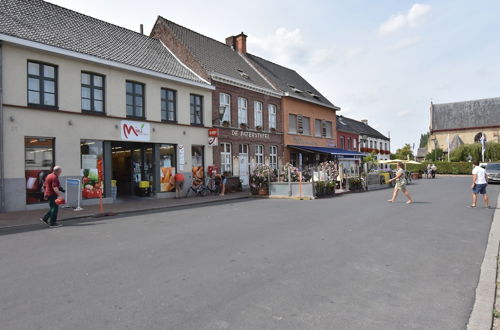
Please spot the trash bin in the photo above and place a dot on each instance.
(143, 189)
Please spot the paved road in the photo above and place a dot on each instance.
(351, 262)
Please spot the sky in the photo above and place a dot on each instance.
(383, 60)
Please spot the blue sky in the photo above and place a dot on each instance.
(381, 60)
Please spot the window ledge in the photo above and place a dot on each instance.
(41, 106)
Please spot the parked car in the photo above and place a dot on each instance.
(493, 172)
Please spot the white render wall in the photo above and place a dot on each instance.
(68, 125)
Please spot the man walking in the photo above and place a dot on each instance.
(52, 190)
(479, 184)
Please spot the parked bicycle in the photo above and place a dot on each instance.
(210, 187)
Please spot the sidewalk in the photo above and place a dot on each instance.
(23, 218)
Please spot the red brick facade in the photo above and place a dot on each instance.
(249, 135)
(348, 140)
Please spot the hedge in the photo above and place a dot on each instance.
(443, 167)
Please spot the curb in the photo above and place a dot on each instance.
(481, 316)
(138, 211)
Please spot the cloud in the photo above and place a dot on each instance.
(406, 42)
(412, 19)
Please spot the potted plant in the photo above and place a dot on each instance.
(259, 179)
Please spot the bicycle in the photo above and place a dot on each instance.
(202, 189)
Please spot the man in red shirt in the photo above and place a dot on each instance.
(52, 190)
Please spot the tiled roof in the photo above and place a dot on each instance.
(350, 125)
(52, 25)
(289, 81)
(467, 114)
(216, 57)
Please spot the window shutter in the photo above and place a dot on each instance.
(323, 128)
(300, 126)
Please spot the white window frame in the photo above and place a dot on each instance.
(257, 111)
(226, 158)
(259, 154)
(306, 127)
(355, 144)
(272, 109)
(243, 149)
(292, 118)
(273, 157)
(242, 111)
(225, 101)
(328, 129)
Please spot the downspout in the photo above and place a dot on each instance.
(2, 163)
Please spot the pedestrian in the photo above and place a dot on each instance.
(434, 170)
(428, 172)
(400, 184)
(179, 182)
(52, 191)
(222, 180)
(479, 184)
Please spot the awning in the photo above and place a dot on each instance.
(331, 151)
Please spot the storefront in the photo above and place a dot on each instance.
(307, 156)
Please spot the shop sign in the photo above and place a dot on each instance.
(135, 131)
(213, 137)
(180, 154)
(251, 135)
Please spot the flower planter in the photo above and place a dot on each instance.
(262, 191)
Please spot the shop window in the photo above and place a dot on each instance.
(135, 100)
(92, 92)
(225, 102)
(257, 108)
(242, 111)
(196, 109)
(42, 84)
(272, 116)
(259, 154)
(273, 157)
(38, 161)
(167, 167)
(168, 105)
(226, 158)
(292, 124)
(197, 164)
(92, 168)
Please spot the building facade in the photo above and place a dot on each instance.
(123, 117)
(246, 107)
(453, 124)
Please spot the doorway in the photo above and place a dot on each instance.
(132, 168)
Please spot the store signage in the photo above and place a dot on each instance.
(135, 131)
(253, 135)
(213, 137)
(180, 154)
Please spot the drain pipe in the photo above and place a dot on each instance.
(2, 163)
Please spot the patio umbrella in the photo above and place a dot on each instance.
(412, 162)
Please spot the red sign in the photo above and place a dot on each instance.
(213, 132)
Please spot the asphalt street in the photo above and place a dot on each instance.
(349, 262)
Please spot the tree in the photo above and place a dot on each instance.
(404, 152)
(371, 160)
(434, 155)
(424, 139)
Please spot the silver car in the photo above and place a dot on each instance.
(493, 172)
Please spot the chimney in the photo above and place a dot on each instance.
(364, 121)
(141, 28)
(238, 43)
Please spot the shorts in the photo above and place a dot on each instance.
(479, 189)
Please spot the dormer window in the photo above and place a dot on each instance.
(243, 74)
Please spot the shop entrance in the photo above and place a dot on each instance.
(132, 168)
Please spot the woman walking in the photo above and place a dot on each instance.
(400, 184)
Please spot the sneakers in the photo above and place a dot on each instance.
(44, 221)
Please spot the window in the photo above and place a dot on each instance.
(91, 152)
(273, 157)
(42, 84)
(386, 146)
(196, 105)
(167, 167)
(381, 146)
(225, 101)
(168, 105)
(306, 125)
(225, 158)
(135, 99)
(272, 116)
(244, 149)
(92, 92)
(371, 144)
(349, 146)
(354, 144)
(292, 124)
(317, 128)
(242, 111)
(38, 160)
(257, 109)
(342, 142)
(328, 129)
(259, 154)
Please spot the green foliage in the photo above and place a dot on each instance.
(355, 184)
(492, 152)
(404, 152)
(371, 158)
(424, 138)
(443, 167)
(436, 154)
(324, 188)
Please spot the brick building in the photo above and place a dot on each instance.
(246, 108)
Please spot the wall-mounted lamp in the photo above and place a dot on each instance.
(184, 132)
(70, 123)
(11, 118)
(154, 130)
(116, 126)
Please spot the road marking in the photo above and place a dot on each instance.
(481, 316)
